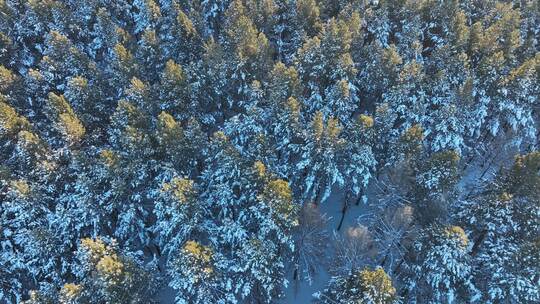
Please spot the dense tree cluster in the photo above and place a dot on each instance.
(188, 145)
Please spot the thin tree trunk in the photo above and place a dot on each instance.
(383, 261)
(360, 196)
(319, 191)
(490, 163)
(469, 160)
(378, 173)
(399, 265)
(317, 196)
(344, 210)
(478, 242)
(296, 278)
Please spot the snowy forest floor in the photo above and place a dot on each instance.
(480, 169)
(302, 292)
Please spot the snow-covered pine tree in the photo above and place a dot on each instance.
(65, 121)
(252, 214)
(178, 215)
(365, 286)
(321, 157)
(359, 161)
(504, 222)
(194, 275)
(174, 91)
(105, 273)
(149, 55)
(287, 135)
(62, 60)
(250, 51)
(146, 15)
(181, 39)
(439, 268)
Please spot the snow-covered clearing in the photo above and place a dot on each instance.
(302, 292)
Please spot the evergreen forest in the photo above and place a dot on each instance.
(269, 151)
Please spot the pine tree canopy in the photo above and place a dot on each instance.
(269, 151)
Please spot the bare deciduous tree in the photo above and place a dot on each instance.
(311, 243)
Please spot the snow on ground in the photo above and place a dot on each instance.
(475, 174)
(303, 292)
(484, 167)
